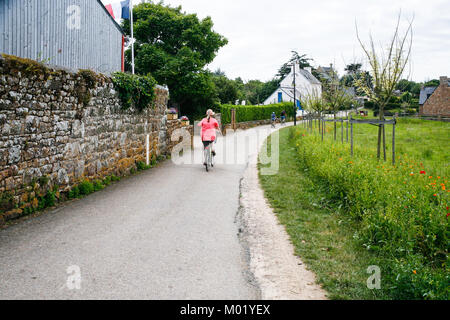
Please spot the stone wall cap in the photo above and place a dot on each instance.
(162, 87)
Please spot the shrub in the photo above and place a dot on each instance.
(98, 185)
(50, 199)
(370, 105)
(115, 178)
(6, 201)
(107, 181)
(74, 192)
(141, 166)
(252, 113)
(86, 188)
(135, 91)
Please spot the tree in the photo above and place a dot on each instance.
(175, 47)
(227, 90)
(253, 92)
(336, 97)
(268, 88)
(314, 102)
(387, 67)
(286, 68)
(353, 68)
(405, 85)
(432, 83)
(354, 73)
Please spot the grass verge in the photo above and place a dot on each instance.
(324, 235)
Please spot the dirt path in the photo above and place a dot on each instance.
(278, 272)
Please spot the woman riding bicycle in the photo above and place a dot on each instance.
(209, 126)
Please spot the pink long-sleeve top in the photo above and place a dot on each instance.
(209, 129)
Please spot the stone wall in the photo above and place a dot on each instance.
(59, 128)
(246, 125)
(438, 104)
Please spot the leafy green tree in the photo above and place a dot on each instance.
(415, 90)
(253, 92)
(353, 68)
(175, 47)
(268, 88)
(432, 83)
(227, 90)
(405, 85)
(301, 59)
(354, 75)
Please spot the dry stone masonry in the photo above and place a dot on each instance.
(59, 128)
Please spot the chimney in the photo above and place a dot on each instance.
(443, 81)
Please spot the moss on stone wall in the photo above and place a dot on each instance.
(27, 66)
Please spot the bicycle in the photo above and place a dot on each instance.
(208, 156)
(273, 122)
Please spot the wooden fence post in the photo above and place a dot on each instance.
(393, 141)
(351, 134)
(342, 130)
(322, 127)
(383, 126)
(348, 119)
(233, 119)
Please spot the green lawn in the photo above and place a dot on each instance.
(345, 214)
(421, 141)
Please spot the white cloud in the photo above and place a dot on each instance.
(262, 33)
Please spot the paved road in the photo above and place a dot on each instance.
(151, 236)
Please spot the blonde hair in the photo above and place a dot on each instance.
(209, 114)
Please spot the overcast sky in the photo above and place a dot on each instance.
(262, 33)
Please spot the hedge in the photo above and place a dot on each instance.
(252, 113)
(389, 106)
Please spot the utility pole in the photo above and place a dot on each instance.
(295, 98)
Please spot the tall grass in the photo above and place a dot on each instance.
(402, 211)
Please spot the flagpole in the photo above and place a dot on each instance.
(132, 36)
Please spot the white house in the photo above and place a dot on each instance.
(305, 84)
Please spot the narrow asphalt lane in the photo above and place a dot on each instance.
(167, 233)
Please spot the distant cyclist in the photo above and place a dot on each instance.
(273, 119)
(209, 126)
(283, 116)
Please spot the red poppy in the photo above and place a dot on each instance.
(422, 172)
(448, 214)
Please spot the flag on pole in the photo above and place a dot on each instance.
(110, 10)
(122, 10)
(125, 9)
(119, 10)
